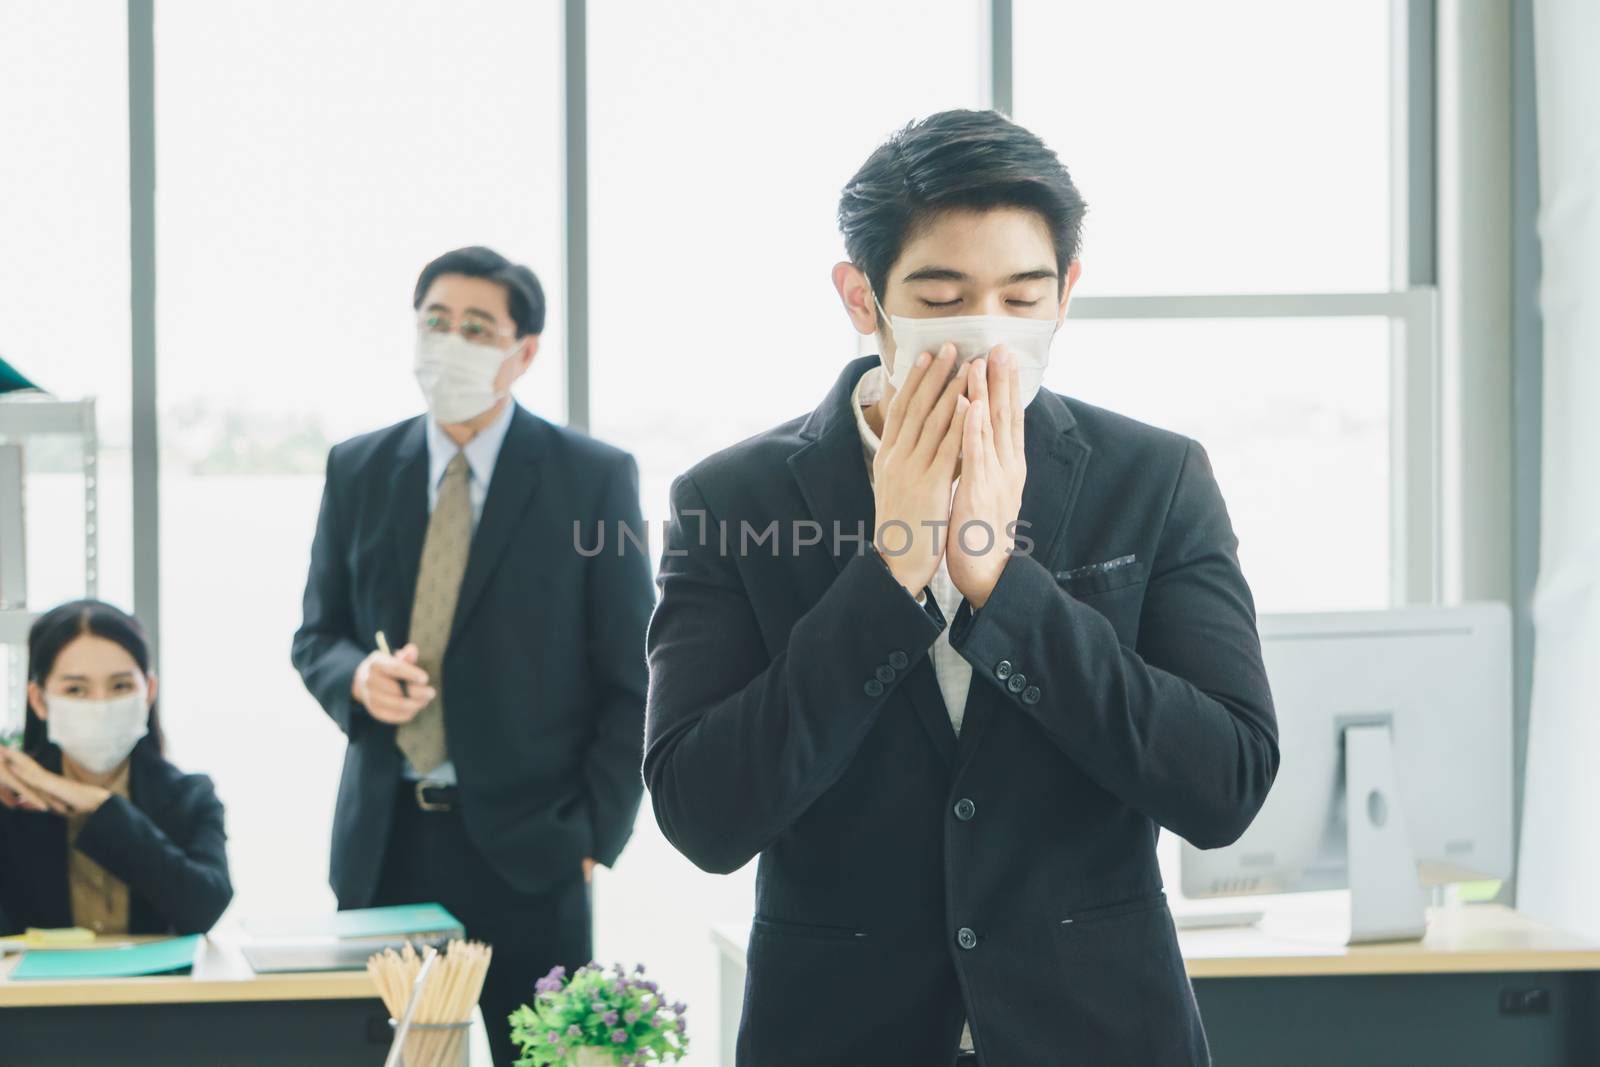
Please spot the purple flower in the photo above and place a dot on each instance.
(598, 1006)
(630, 1016)
(682, 1025)
(638, 968)
(611, 1018)
(653, 987)
(680, 1007)
(553, 1038)
(618, 1036)
(574, 1031)
(557, 972)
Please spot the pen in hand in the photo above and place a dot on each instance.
(383, 646)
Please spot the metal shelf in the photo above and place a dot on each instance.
(23, 417)
(14, 626)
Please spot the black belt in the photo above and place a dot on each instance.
(434, 796)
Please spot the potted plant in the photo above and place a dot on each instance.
(598, 1018)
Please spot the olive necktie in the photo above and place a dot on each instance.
(433, 609)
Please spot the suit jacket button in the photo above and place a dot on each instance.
(898, 660)
(1016, 682)
(884, 673)
(965, 809)
(873, 688)
(1002, 670)
(966, 938)
(1030, 695)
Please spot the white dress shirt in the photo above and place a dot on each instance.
(481, 451)
(953, 672)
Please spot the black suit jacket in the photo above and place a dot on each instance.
(165, 841)
(908, 876)
(544, 674)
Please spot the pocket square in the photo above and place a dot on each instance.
(1098, 568)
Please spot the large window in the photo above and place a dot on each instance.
(311, 158)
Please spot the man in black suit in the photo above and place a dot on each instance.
(946, 653)
(494, 758)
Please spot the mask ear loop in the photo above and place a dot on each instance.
(888, 326)
(882, 314)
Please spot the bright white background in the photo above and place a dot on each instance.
(311, 158)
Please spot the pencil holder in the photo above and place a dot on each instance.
(434, 1044)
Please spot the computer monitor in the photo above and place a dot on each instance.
(1395, 733)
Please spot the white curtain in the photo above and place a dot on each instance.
(1560, 872)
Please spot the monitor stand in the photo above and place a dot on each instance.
(1386, 902)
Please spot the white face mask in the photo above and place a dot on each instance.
(974, 335)
(98, 734)
(457, 377)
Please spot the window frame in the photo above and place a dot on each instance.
(1411, 304)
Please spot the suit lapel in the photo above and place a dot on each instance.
(832, 474)
(1057, 458)
(408, 524)
(510, 489)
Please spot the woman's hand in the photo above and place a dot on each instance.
(13, 792)
(47, 791)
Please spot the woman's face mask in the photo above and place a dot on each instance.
(98, 734)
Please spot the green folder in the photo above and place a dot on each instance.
(397, 921)
(11, 380)
(125, 961)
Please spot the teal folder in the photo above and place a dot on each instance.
(124, 961)
(12, 380)
(397, 921)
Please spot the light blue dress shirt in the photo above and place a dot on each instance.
(482, 451)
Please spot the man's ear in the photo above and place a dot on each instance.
(527, 348)
(150, 685)
(1074, 270)
(36, 700)
(855, 292)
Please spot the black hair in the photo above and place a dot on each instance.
(58, 628)
(950, 161)
(524, 294)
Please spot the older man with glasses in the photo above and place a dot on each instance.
(489, 675)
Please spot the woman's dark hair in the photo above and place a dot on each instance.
(950, 161)
(524, 294)
(58, 628)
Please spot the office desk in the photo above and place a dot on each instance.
(221, 1013)
(1485, 986)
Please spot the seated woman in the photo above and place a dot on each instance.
(97, 829)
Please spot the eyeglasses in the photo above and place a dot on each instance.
(474, 330)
